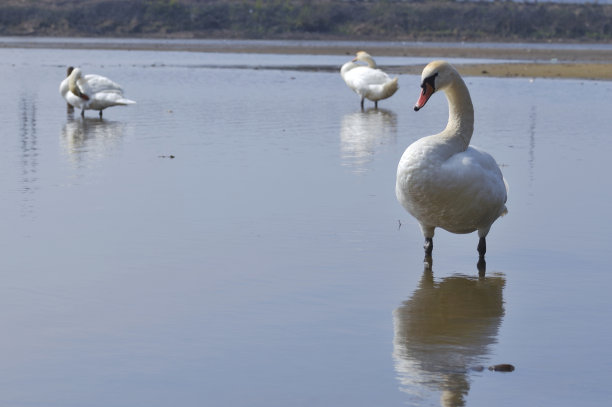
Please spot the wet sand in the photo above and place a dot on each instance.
(532, 61)
(601, 71)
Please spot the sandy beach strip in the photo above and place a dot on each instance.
(594, 71)
(524, 60)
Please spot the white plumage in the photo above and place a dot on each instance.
(443, 181)
(368, 81)
(91, 92)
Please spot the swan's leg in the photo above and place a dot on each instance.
(376, 104)
(82, 112)
(482, 243)
(428, 232)
(362, 103)
(428, 246)
(428, 260)
(100, 114)
(482, 247)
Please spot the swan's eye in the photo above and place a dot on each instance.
(431, 81)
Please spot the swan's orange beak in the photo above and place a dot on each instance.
(428, 90)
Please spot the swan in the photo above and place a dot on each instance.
(91, 92)
(442, 180)
(368, 81)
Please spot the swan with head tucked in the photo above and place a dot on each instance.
(368, 82)
(91, 92)
(442, 180)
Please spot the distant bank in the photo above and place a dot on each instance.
(422, 20)
(584, 61)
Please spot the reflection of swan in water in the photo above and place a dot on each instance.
(443, 332)
(362, 131)
(28, 136)
(87, 140)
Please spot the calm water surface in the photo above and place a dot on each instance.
(269, 264)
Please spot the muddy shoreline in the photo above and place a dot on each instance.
(525, 60)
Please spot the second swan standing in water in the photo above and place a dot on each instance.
(91, 92)
(368, 81)
(442, 180)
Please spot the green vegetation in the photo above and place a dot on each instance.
(340, 19)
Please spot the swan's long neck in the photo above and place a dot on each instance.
(460, 113)
(347, 67)
(72, 86)
(368, 60)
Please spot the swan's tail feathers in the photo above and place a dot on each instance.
(390, 88)
(504, 211)
(124, 101)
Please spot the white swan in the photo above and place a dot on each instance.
(442, 180)
(91, 92)
(368, 81)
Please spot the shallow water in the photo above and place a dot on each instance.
(269, 264)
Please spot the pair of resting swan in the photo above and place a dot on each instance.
(91, 92)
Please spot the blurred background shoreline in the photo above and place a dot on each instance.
(585, 61)
(557, 39)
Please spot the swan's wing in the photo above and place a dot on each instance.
(369, 82)
(102, 100)
(363, 77)
(91, 84)
(375, 77)
(351, 78)
(475, 173)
